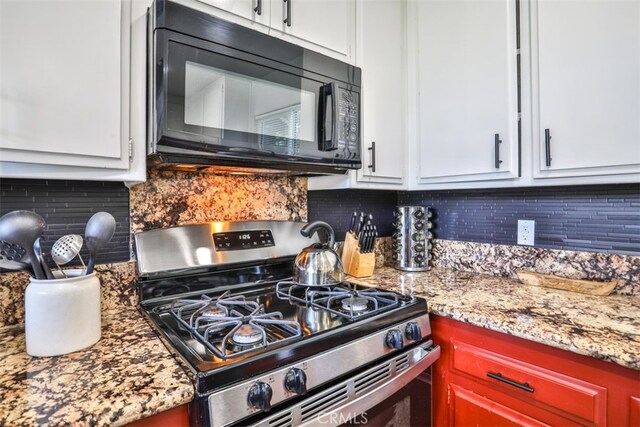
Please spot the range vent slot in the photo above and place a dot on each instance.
(284, 420)
(371, 378)
(402, 363)
(323, 402)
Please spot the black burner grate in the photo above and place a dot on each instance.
(221, 324)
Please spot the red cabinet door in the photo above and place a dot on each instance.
(470, 409)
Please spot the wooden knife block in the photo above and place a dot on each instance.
(354, 262)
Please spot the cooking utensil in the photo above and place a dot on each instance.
(14, 257)
(65, 249)
(45, 267)
(318, 264)
(23, 228)
(98, 233)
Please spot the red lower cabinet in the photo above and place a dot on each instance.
(485, 378)
(175, 417)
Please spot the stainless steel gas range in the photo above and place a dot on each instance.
(263, 350)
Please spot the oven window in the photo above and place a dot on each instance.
(224, 101)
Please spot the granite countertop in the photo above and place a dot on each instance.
(606, 328)
(127, 375)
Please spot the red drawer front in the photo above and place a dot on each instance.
(552, 390)
(470, 409)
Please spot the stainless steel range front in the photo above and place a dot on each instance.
(263, 350)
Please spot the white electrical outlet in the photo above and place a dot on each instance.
(526, 232)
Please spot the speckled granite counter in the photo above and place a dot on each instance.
(127, 375)
(606, 328)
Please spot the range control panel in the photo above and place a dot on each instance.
(239, 240)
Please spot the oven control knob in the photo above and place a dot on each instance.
(419, 213)
(419, 247)
(296, 381)
(419, 225)
(260, 396)
(393, 339)
(412, 331)
(419, 259)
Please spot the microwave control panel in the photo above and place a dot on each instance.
(349, 122)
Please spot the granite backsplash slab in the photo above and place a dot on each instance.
(504, 260)
(171, 198)
(118, 289)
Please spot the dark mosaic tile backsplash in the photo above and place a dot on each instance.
(602, 218)
(67, 205)
(336, 207)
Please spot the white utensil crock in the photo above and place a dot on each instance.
(62, 315)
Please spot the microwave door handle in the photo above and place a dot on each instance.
(326, 140)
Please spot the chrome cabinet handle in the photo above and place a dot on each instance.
(258, 8)
(372, 166)
(498, 376)
(547, 147)
(287, 20)
(496, 148)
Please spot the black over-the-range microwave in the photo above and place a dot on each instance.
(223, 97)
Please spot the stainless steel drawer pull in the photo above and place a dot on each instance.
(547, 147)
(516, 384)
(496, 148)
(372, 165)
(287, 20)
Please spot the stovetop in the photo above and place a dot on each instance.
(220, 294)
(214, 332)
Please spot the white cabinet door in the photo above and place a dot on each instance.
(588, 87)
(253, 11)
(329, 24)
(64, 82)
(467, 66)
(382, 57)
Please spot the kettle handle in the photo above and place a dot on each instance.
(329, 238)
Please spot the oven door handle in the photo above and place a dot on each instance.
(373, 397)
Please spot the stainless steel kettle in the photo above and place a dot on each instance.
(318, 264)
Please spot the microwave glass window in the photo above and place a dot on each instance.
(232, 104)
(220, 101)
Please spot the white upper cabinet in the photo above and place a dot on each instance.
(328, 24)
(65, 89)
(382, 57)
(467, 111)
(250, 12)
(586, 87)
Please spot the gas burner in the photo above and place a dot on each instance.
(345, 299)
(355, 304)
(231, 325)
(214, 312)
(247, 335)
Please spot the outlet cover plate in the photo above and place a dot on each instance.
(526, 232)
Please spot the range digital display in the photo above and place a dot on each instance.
(239, 240)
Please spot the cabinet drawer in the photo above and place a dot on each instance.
(551, 390)
(471, 409)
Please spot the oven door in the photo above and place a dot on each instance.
(396, 389)
(218, 102)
